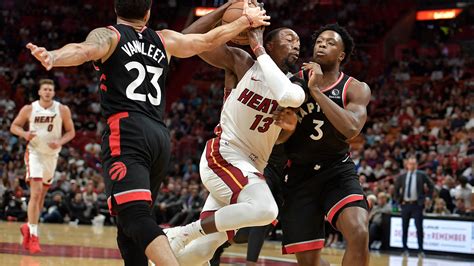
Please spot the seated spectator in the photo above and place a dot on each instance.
(440, 207)
(463, 190)
(460, 207)
(77, 209)
(445, 194)
(428, 205)
(192, 207)
(56, 210)
(375, 217)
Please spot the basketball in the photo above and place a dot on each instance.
(232, 13)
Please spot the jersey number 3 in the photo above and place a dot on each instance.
(317, 127)
(156, 71)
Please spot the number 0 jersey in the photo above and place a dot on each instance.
(133, 78)
(246, 123)
(316, 140)
(47, 124)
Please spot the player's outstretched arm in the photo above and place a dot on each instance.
(286, 93)
(349, 120)
(183, 46)
(97, 46)
(223, 57)
(18, 124)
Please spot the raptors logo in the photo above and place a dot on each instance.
(117, 171)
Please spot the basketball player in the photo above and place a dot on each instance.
(322, 181)
(45, 119)
(232, 163)
(132, 61)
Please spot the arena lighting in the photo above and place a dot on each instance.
(202, 11)
(438, 14)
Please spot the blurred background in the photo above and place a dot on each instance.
(416, 56)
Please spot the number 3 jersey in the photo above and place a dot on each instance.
(316, 140)
(246, 125)
(47, 125)
(133, 78)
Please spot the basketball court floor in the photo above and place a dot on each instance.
(94, 246)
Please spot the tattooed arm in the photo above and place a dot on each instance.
(99, 44)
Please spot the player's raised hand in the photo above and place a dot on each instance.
(285, 118)
(43, 55)
(315, 74)
(256, 15)
(256, 38)
(29, 135)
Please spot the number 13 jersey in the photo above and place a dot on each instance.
(246, 125)
(133, 78)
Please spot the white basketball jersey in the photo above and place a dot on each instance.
(47, 124)
(246, 123)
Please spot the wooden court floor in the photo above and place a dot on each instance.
(94, 246)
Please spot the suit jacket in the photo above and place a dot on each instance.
(421, 179)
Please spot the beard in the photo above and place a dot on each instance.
(290, 66)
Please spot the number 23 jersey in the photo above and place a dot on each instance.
(316, 139)
(133, 78)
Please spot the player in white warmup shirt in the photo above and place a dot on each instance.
(45, 119)
(232, 163)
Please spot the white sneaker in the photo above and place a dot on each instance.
(177, 237)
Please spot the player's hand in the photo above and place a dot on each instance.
(257, 15)
(43, 55)
(315, 74)
(285, 118)
(29, 135)
(256, 37)
(54, 144)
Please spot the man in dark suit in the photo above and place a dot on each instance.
(410, 192)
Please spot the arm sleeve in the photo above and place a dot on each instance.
(286, 93)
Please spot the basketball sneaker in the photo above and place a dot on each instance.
(178, 238)
(25, 232)
(34, 245)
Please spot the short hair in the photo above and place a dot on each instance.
(46, 82)
(270, 36)
(347, 39)
(132, 9)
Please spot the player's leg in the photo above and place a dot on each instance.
(352, 223)
(346, 210)
(252, 203)
(201, 250)
(127, 168)
(256, 239)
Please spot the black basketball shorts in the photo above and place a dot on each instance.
(311, 196)
(135, 158)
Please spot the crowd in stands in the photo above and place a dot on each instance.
(422, 104)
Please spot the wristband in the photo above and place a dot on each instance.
(249, 19)
(256, 48)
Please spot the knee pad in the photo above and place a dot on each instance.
(137, 223)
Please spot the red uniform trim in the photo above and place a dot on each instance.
(231, 175)
(129, 196)
(27, 162)
(116, 31)
(205, 214)
(162, 38)
(335, 83)
(303, 246)
(340, 204)
(114, 139)
(344, 91)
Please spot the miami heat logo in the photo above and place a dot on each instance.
(118, 171)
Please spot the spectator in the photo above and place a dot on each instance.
(460, 207)
(464, 191)
(445, 194)
(375, 217)
(56, 211)
(440, 207)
